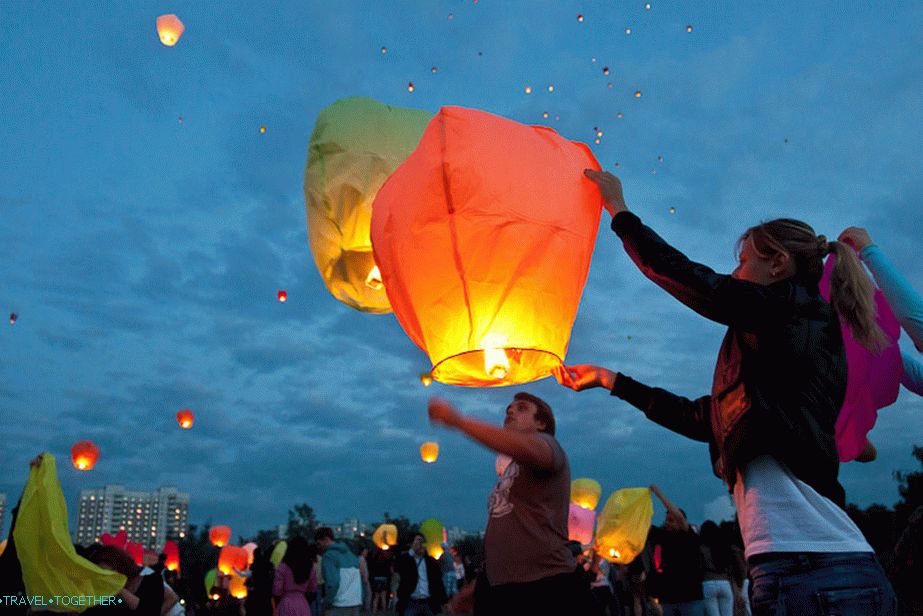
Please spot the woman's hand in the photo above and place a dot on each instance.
(856, 237)
(584, 376)
(611, 189)
(441, 412)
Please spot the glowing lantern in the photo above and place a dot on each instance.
(688, 28)
(637, 93)
(410, 87)
(579, 17)
(219, 535)
(385, 536)
(431, 530)
(528, 89)
(249, 547)
(84, 455)
(232, 557)
(237, 588)
(120, 540)
(136, 551)
(627, 30)
(429, 451)
(580, 523)
(872, 379)
(169, 28)
(278, 553)
(356, 144)
(468, 253)
(172, 551)
(262, 129)
(585, 493)
(622, 526)
(282, 295)
(13, 317)
(426, 378)
(185, 418)
(210, 578)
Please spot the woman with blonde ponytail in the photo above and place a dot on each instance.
(778, 386)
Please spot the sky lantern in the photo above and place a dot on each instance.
(136, 551)
(119, 540)
(185, 418)
(432, 531)
(13, 317)
(426, 378)
(580, 522)
(484, 238)
(232, 557)
(211, 577)
(429, 451)
(385, 536)
(622, 526)
(172, 551)
(84, 455)
(237, 587)
(169, 29)
(249, 548)
(872, 379)
(278, 553)
(585, 493)
(282, 295)
(356, 144)
(219, 535)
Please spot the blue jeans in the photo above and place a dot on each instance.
(810, 584)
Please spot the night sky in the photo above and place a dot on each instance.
(148, 224)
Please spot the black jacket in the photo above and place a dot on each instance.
(406, 568)
(780, 379)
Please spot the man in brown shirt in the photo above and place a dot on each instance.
(530, 569)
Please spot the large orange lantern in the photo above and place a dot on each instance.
(622, 526)
(385, 536)
(169, 29)
(484, 238)
(185, 418)
(237, 587)
(356, 144)
(429, 451)
(585, 492)
(580, 522)
(172, 552)
(84, 455)
(219, 535)
(232, 557)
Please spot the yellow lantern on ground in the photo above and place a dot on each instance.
(385, 536)
(484, 238)
(169, 29)
(622, 526)
(585, 492)
(356, 144)
(429, 451)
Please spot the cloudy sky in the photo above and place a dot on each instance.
(148, 223)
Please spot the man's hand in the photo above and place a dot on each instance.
(441, 412)
(856, 237)
(584, 376)
(610, 188)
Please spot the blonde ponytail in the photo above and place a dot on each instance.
(852, 295)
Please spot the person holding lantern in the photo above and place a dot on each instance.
(529, 568)
(778, 387)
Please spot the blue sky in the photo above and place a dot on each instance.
(143, 253)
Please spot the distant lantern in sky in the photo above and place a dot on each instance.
(550, 88)
(619, 115)
(356, 144)
(185, 418)
(13, 317)
(579, 17)
(528, 89)
(545, 115)
(385, 536)
(585, 493)
(282, 295)
(429, 451)
(433, 70)
(660, 158)
(169, 29)
(627, 30)
(410, 86)
(648, 6)
(384, 50)
(467, 252)
(426, 378)
(605, 70)
(219, 535)
(84, 455)
(688, 28)
(637, 93)
(672, 210)
(262, 129)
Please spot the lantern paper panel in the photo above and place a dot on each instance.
(232, 557)
(431, 529)
(84, 455)
(429, 452)
(385, 536)
(623, 524)
(119, 540)
(278, 553)
(210, 579)
(185, 418)
(580, 522)
(484, 238)
(585, 492)
(250, 548)
(356, 144)
(172, 552)
(237, 587)
(872, 379)
(219, 535)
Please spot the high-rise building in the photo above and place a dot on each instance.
(149, 518)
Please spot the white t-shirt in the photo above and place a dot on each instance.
(780, 513)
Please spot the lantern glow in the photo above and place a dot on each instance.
(432, 530)
(219, 535)
(84, 455)
(622, 526)
(426, 378)
(172, 552)
(237, 587)
(385, 536)
(467, 253)
(169, 29)
(429, 451)
(580, 523)
(232, 557)
(585, 493)
(282, 295)
(185, 419)
(355, 145)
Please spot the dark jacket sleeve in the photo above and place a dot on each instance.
(691, 418)
(719, 297)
